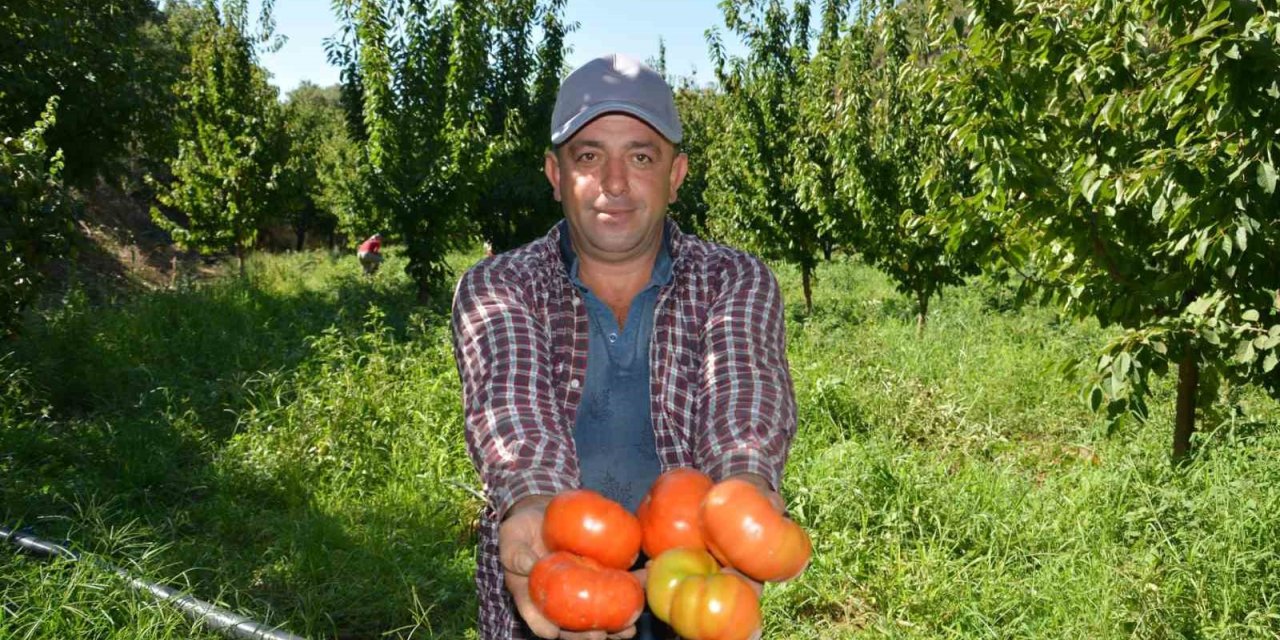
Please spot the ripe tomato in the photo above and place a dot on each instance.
(745, 532)
(586, 523)
(579, 594)
(669, 512)
(720, 606)
(668, 570)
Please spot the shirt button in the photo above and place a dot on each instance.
(613, 337)
(574, 384)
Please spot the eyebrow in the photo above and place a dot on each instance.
(631, 146)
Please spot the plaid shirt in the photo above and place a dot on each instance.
(722, 397)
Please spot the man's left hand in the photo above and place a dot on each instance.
(775, 499)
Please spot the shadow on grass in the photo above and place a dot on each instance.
(133, 405)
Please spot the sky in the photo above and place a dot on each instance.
(604, 26)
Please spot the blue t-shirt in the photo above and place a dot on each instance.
(614, 429)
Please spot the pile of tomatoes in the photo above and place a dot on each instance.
(692, 529)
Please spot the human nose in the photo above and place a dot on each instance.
(614, 180)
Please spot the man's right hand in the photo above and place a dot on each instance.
(519, 548)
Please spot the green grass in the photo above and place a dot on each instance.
(291, 446)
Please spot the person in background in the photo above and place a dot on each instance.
(614, 347)
(370, 254)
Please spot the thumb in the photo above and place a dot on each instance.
(523, 560)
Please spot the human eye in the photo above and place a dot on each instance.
(644, 159)
(586, 157)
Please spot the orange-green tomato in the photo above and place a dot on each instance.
(668, 570)
(720, 606)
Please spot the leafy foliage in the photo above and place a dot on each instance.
(1128, 150)
(320, 162)
(887, 132)
(92, 55)
(450, 141)
(35, 221)
(233, 144)
(515, 203)
(752, 183)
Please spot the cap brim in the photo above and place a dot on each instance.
(596, 110)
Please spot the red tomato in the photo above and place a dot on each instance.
(720, 606)
(668, 570)
(579, 594)
(669, 512)
(588, 524)
(744, 531)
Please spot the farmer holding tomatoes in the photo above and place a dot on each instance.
(614, 347)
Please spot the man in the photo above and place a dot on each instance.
(615, 346)
(370, 254)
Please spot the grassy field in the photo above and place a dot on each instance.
(290, 445)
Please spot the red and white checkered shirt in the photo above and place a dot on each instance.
(722, 397)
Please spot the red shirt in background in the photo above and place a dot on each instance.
(372, 245)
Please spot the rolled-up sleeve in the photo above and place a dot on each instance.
(514, 432)
(748, 412)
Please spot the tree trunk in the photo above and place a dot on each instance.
(1185, 421)
(922, 312)
(240, 258)
(806, 280)
(301, 233)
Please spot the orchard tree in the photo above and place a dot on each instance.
(318, 135)
(886, 128)
(751, 180)
(453, 109)
(1129, 150)
(515, 204)
(233, 144)
(819, 105)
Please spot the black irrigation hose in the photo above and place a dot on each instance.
(216, 618)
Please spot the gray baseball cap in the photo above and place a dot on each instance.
(610, 84)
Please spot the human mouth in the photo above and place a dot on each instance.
(614, 213)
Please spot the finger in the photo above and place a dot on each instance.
(538, 624)
(517, 558)
(582, 635)
(776, 500)
(629, 632)
(758, 587)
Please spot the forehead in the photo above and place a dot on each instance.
(617, 129)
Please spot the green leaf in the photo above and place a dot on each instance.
(1245, 353)
(1123, 362)
(1089, 185)
(1095, 398)
(1242, 238)
(1269, 362)
(1250, 315)
(1267, 177)
(1200, 305)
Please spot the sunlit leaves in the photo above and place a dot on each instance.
(1132, 145)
